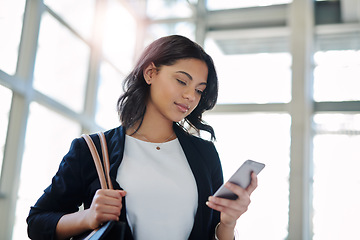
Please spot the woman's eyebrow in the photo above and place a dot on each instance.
(190, 77)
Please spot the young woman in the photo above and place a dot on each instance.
(165, 175)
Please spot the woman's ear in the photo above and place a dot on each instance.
(149, 73)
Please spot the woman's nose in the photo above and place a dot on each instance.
(189, 94)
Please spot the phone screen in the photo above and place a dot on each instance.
(241, 177)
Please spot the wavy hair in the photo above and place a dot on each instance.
(165, 51)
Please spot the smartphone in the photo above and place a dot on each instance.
(241, 177)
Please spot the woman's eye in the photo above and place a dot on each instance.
(181, 82)
(199, 91)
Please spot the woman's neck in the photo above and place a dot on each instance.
(153, 129)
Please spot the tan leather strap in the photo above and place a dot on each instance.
(104, 180)
(106, 161)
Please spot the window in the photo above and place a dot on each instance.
(118, 46)
(336, 146)
(47, 141)
(163, 9)
(68, 10)
(5, 99)
(110, 89)
(163, 29)
(251, 78)
(252, 72)
(119, 38)
(55, 73)
(66, 46)
(336, 177)
(264, 138)
(337, 75)
(11, 16)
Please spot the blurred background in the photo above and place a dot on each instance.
(289, 75)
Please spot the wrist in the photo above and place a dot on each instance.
(85, 219)
(223, 229)
(227, 225)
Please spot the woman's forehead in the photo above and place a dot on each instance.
(193, 69)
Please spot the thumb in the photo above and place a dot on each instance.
(122, 193)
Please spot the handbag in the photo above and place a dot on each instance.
(111, 229)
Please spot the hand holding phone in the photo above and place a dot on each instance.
(241, 177)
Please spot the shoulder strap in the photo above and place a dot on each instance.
(106, 161)
(104, 180)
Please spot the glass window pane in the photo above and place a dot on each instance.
(336, 186)
(110, 88)
(47, 140)
(79, 14)
(11, 18)
(5, 99)
(252, 78)
(158, 9)
(228, 4)
(61, 64)
(264, 138)
(156, 31)
(337, 76)
(119, 47)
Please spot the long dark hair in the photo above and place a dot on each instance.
(166, 51)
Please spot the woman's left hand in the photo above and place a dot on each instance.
(231, 210)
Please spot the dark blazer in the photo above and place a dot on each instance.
(76, 182)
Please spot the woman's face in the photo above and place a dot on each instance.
(175, 90)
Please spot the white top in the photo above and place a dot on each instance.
(162, 198)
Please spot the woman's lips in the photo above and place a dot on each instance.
(182, 107)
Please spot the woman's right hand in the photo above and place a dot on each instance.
(106, 205)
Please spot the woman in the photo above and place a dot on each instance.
(166, 175)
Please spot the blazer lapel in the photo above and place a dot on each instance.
(116, 144)
(198, 168)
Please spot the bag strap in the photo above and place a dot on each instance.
(106, 160)
(105, 180)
